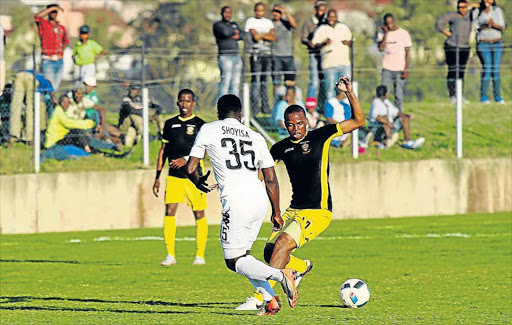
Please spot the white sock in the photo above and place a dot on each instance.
(264, 288)
(251, 268)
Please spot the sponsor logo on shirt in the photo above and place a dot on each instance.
(288, 150)
(175, 126)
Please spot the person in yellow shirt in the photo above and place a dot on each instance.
(64, 130)
(85, 52)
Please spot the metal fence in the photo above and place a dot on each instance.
(161, 74)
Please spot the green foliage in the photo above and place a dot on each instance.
(423, 270)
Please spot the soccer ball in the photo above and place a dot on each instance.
(354, 293)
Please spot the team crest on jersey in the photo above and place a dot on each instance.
(190, 129)
(305, 147)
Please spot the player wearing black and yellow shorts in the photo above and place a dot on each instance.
(178, 138)
(306, 157)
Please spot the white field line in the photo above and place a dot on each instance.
(402, 236)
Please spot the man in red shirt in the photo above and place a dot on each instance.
(53, 42)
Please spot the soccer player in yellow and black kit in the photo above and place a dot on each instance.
(306, 156)
(177, 140)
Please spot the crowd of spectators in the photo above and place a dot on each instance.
(269, 42)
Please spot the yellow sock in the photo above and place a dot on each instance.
(295, 263)
(170, 234)
(201, 235)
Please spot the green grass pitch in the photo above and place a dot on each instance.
(423, 270)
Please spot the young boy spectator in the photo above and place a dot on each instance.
(283, 64)
(85, 52)
(337, 109)
(315, 120)
(389, 119)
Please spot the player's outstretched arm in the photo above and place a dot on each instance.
(272, 186)
(344, 84)
(193, 175)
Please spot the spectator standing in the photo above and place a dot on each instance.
(262, 35)
(64, 130)
(24, 92)
(395, 43)
(283, 64)
(337, 109)
(334, 39)
(227, 35)
(53, 42)
(2, 59)
(456, 46)
(85, 52)
(308, 30)
(489, 23)
(5, 111)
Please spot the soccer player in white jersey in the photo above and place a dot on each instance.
(237, 153)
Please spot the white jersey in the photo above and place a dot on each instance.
(236, 153)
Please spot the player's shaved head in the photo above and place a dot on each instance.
(186, 91)
(229, 106)
(293, 109)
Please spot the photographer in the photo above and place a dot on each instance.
(394, 43)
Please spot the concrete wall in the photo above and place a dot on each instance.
(123, 199)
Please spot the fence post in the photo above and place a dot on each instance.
(37, 121)
(355, 133)
(458, 94)
(145, 108)
(355, 87)
(246, 103)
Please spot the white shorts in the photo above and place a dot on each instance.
(242, 217)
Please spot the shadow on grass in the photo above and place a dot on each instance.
(216, 305)
(52, 261)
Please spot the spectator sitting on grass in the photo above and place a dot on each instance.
(315, 120)
(337, 109)
(130, 116)
(64, 130)
(384, 116)
(278, 114)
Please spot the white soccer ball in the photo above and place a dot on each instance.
(354, 293)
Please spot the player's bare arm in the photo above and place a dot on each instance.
(159, 166)
(272, 186)
(193, 175)
(178, 162)
(344, 84)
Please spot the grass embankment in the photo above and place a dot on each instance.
(487, 132)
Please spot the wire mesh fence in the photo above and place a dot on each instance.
(115, 103)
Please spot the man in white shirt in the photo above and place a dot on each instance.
(334, 40)
(394, 43)
(262, 35)
(237, 154)
(388, 118)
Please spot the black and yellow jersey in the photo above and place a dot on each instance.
(179, 136)
(307, 163)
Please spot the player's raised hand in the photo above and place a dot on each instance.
(202, 185)
(344, 84)
(277, 222)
